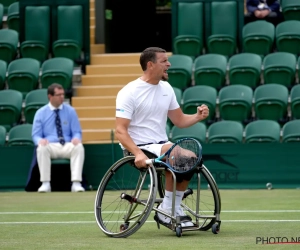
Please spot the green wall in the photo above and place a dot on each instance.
(232, 165)
(254, 165)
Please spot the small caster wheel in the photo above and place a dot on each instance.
(215, 228)
(123, 227)
(178, 231)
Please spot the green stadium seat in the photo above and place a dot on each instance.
(60, 161)
(235, 103)
(290, 9)
(178, 93)
(6, 4)
(189, 40)
(270, 102)
(23, 75)
(3, 67)
(37, 33)
(279, 68)
(58, 70)
(13, 19)
(222, 39)
(2, 135)
(225, 132)
(20, 135)
(291, 131)
(8, 44)
(288, 37)
(69, 41)
(196, 96)
(258, 37)
(10, 107)
(245, 69)
(180, 72)
(295, 102)
(1, 14)
(262, 131)
(168, 130)
(196, 131)
(33, 101)
(298, 66)
(210, 70)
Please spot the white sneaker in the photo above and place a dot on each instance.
(162, 217)
(187, 222)
(76, 187)
(45, 188)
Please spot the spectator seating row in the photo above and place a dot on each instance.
(218, 31)
(237, 102)
(23, 74)
(259, 131)
(197, 29)
(234, 103)
(262, 38)
(5, 4)
(18, 136)
(11, 106)
(244, 68)
(38, 42)
(262, 131)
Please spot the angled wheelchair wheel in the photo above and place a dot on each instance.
(202, 199)
(125, 198)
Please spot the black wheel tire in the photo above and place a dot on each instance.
(215, 228)
(178, 231)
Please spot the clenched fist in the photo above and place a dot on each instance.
(203, 111)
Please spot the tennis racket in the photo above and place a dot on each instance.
(182, 157)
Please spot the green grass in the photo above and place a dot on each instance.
(70, 223)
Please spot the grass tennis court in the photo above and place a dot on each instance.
(66, 221)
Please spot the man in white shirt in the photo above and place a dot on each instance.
(142, 109)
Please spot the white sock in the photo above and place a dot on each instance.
(167, 201)
(178, 199)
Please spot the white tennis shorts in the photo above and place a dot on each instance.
(154, 148)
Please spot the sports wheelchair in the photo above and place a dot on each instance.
(127, 195)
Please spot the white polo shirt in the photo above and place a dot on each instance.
(147, 106)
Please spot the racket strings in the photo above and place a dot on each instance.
(185, 163)
(185, 156)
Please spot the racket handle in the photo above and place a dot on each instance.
(149, 162)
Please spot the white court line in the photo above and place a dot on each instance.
(225, 211)
(49, 212)
(94, 222)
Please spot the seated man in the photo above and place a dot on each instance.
(142, 109)
(57, 133)
(268, 10)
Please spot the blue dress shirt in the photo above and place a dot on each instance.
(44, 124)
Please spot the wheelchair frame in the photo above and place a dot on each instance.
(127, 195)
